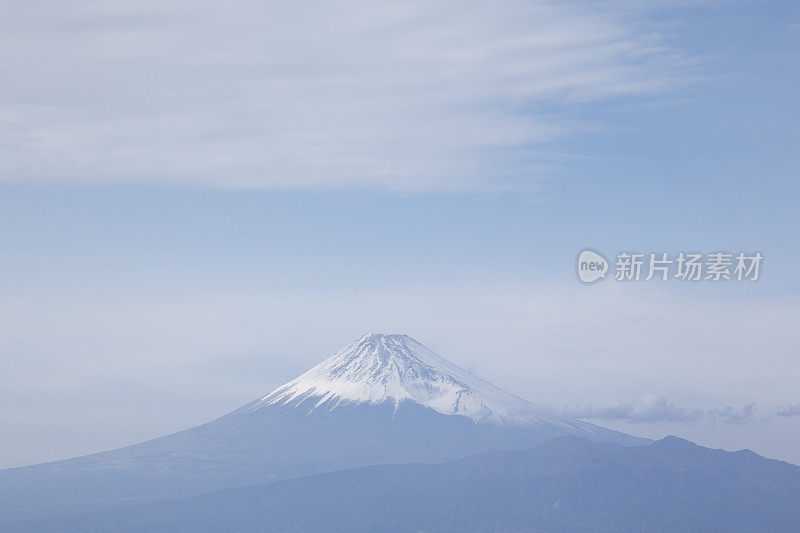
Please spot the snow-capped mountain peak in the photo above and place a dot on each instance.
(378, 368)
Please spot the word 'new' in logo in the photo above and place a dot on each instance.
(591, 266)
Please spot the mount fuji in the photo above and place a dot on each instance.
(395, 368)
(384, 399)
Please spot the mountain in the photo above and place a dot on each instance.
(565, 485)
(396, 368)
(384, 399)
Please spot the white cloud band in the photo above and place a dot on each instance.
(413, 96)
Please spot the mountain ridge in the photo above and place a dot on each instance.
(566, 484)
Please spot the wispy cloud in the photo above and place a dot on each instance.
(420, 95)
(789, 410)
(650, 408)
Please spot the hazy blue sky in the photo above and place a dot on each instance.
(199, 201)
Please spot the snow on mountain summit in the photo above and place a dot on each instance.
(378, 368)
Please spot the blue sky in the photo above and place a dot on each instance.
(197, 204)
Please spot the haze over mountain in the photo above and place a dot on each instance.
(565, 485)
(383, 399)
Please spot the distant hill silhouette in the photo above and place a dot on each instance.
(567, 484)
